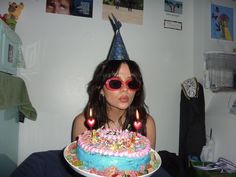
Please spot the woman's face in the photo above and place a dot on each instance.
(58, 6)
(123, 97)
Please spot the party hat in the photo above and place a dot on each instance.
(117, 50)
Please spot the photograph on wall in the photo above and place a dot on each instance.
(222, 22)
(83, 8)
(174, 6)
(128, 11)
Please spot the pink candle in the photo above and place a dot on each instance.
(90, 121)
(137, 122)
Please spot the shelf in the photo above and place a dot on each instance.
(220, 71)
(11, 55)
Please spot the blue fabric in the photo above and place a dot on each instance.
(52, 164)
(45, 164)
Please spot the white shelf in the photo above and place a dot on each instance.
(220, 71)
(11, 55)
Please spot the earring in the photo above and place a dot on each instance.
(101, 97)
(101, 93)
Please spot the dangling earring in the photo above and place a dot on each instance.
(101, 97)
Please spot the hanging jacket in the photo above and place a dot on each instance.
(192, 136)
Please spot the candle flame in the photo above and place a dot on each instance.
(90, 112)
(137, 115)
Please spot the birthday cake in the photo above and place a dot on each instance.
(108, 148)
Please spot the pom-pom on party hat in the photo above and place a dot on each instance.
(117, 50)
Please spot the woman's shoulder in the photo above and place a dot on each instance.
(150, 119)
(151, 130)
(79, 119)
(150, 123)
(78, 126)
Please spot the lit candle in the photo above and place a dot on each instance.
(137, 114)
(90, 121)
(90, 112)
(137, 122)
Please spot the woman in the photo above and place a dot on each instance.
(115, 93)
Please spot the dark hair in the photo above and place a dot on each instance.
(96, 101)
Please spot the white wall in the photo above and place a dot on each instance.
(61, 53)
(217, 104)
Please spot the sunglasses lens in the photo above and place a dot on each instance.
(133, 84)
(115, 84)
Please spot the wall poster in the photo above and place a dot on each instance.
(222, 22)
(174, 6)
(82, 8)
(128, 11)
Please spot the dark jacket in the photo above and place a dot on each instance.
(192, 136)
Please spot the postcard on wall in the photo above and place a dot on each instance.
(222, 22)
(128, 11)
(174, 6)
(82, 8)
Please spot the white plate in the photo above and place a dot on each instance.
(72, 160)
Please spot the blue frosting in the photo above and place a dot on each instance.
(101, 162)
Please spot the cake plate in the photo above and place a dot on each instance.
(73, 161)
